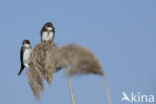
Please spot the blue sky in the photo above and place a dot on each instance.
(122, 34)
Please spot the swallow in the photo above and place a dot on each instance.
(24, 55)
(47, 32)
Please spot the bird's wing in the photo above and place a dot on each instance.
(21, 58)
(21, 55)
(21, 69)
(54, 32)
(43, 29)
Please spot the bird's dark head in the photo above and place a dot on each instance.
(26, 43)
(49, 26)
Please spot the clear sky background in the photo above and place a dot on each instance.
(121, 33)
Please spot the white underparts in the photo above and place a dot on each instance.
(47, 36)
(26, 56)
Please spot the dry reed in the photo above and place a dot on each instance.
(36, 72)
(46, 59)
(80, 61)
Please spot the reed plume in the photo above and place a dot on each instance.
(36, 72)
(80, 61)
(53, 62)
(47, 58)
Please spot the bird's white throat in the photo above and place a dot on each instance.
(26, 45)
(49, 28)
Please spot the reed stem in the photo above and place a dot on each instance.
(69, 84)
(107, 90)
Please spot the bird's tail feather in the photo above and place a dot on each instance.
(21, 69)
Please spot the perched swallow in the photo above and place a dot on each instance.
(24, 55)
(47, 33)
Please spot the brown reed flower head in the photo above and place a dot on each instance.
(79, 59)
(37, 72)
